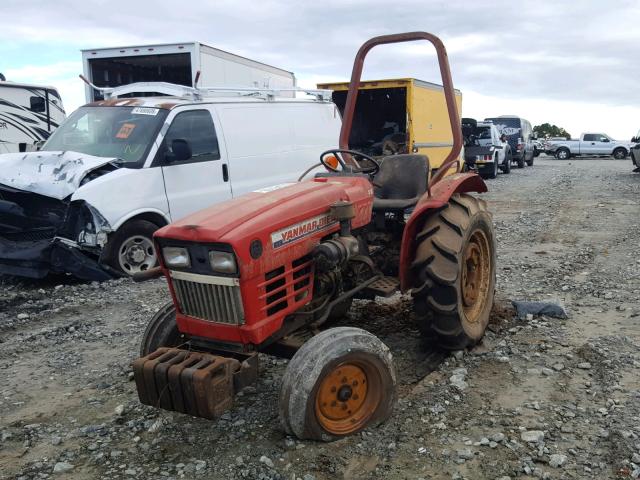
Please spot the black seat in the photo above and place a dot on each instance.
(401, 181)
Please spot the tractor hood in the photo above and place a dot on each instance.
(266, 212)
(52, 174)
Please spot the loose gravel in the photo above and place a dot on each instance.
(540, 397)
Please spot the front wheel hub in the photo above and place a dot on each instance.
(345, 400)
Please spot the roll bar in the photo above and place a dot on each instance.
(447, 82)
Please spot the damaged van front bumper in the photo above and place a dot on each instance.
(36, 233)
(37, 259)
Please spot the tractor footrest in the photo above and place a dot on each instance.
(383, 287)
(195, 383)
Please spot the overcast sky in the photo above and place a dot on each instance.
(574, 64)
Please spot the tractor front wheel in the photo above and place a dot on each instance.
(339, 382)
(455, 274)
(161, 331)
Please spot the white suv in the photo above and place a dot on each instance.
(117, 170)
(485, 149)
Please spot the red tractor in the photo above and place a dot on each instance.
(265, 272)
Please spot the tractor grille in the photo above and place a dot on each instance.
(215, 299)
(287, 285)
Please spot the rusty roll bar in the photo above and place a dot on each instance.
(447, 82)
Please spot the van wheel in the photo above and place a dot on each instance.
(521, 161)
(130, 250)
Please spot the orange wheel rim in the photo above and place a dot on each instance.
(476, 276)
(347, 398)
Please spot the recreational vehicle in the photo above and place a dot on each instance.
(28, 115)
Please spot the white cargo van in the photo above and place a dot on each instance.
(28, 115)
(118, 169)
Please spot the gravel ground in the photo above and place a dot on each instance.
(539, 398)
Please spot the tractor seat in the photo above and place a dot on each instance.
(401, 181)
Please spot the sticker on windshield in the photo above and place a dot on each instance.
(145, 111)
(125, 130)
(272, 188)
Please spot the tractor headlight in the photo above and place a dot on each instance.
(176, 257)
(223, 262)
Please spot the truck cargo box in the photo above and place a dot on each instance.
(177, 63)
(399, 116)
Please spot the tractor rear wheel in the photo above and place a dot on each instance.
(339, 382)
(455, 273)
(161, 331)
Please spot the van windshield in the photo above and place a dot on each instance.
(125, 133)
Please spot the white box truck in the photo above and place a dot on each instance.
(178, 63)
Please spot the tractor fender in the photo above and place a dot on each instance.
(432, 201)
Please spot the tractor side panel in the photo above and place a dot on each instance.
(441, 192)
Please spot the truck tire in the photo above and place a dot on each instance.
(563, 154)
(130, 249)
(530, 162)
(506, 166)
(338, 383)
(455, 274)
(494, 169)
(521, 161)
(620, 153)
(161, 331)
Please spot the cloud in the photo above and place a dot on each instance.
(528, 53)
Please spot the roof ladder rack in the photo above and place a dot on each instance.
(197, 93)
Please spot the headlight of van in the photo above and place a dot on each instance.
(176, 257)
(223, 262)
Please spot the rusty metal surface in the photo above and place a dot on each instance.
(447, 82)
(195, 383)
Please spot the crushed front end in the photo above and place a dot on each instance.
(41, 235)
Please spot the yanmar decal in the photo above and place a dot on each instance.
(303, 229)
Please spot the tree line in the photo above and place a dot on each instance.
(547, 130)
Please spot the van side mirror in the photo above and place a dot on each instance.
(180, 151)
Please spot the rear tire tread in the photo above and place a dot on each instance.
(436, 298)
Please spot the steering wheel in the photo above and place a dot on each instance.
(338, 152)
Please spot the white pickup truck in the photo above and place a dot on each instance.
(593, 144)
